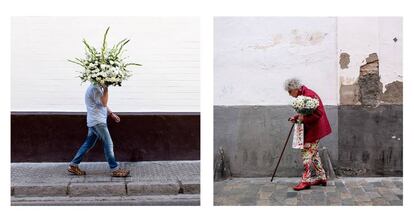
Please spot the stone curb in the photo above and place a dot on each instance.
(106, 189)
(97, 189)
(150, 200)
(190, 187)
(151, 188)
(41, 189)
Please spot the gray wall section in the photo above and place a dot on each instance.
(370, 141)
(253, 136)
(364, 141)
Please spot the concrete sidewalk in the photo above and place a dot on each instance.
(346, 191)
(150, 183)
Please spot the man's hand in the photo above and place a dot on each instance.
(300, 118)
(115, 117)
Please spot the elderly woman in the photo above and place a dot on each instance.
(316, 126)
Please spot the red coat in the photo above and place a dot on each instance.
(316, 125)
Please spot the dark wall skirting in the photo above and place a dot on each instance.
(55, 137)
(370, 140)
(364, 141)
(252, 139)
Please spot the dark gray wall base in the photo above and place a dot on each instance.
(252, 138)
(364, 141)
(55, 137)
(370, 141)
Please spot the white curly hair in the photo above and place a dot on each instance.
(292, 83)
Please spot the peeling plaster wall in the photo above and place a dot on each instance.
(254, 55)
(370, 93)
(358, 37)
(354, 64)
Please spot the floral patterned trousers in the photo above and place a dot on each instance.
(310, 156)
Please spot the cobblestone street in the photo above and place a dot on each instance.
(342, 191)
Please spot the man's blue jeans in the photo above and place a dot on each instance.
(99, 131)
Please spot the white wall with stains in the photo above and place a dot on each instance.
(361, 36)
(254, 55)
(168, 48)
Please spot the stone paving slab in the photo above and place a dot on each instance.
(352, 191)
(146, 178)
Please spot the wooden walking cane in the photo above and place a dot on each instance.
(277, 165)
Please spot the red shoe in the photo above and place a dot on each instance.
(319, 182)
(302, 186)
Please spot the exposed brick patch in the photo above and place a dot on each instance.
(393, 93)
(369, 81)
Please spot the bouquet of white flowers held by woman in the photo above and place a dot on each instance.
(305, 105)
(106, 66)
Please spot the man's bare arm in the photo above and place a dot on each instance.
(104, 101)
(105, 97)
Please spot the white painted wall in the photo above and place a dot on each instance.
(254, 55)
(361, 36)
(168, 47)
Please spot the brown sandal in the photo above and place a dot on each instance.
(120, 173)
(76, 170)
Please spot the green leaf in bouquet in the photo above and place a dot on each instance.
(76, 62)
(91, 49)
(104, 45)
(120, 47)
(116, 47)
(129, 64)
(80, 61)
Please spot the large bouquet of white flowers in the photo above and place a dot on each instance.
(104, 67)
(305, 105)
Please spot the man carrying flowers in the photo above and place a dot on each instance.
(102, 68)
(96, 100)
(316, 126)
